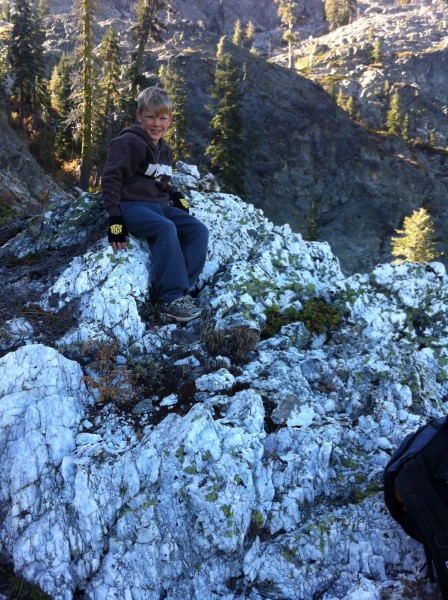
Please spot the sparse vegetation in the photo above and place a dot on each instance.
(234, 342)
(18, 588)
(111, 381)
(317, 315)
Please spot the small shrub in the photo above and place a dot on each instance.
(112, 382)
(234, 342)
(316, 314)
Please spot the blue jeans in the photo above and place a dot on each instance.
(178, 243)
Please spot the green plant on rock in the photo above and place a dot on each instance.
(316, 314)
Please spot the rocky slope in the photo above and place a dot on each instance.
(248, 464)
(413, 54)
(24, 187)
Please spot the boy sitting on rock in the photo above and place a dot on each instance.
(139, 199)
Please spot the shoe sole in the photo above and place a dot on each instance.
(180, 319)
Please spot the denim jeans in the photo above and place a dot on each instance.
(178, 243)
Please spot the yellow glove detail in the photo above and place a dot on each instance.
(184, 202)
(116, 229)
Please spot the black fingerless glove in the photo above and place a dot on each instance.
(117, 231)
(178, 200)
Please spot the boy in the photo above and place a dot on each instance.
(139, 198)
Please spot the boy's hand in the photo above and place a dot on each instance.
(117, 234)
(179, 201)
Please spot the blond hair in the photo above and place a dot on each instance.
(156, 99)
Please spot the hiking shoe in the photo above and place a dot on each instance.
(181, 310)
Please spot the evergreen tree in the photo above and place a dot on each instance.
(249, 34)
(393, 118)
(312, 226)
(25, 55)
(406, 127)
(226, 148)
(339, 12)
(149, 26)
(376, 51)
(237, 33)
(86, 12)
(62, 104)
(417, 242)
(350, 107)
(287, 11)
(6, 12)
(340, 99)
(43, 8)
(105, 124)
(174, 83)
(433, 137)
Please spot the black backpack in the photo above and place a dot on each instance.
(416, 493)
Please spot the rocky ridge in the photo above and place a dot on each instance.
(257, 477)
(413, 54)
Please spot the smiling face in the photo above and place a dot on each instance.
(154, 123)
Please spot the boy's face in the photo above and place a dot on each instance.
(153, 123)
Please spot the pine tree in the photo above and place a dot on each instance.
(175, 85)
(105, 123)
(433, 137)
(287, 11)
(149, 26)
(249, 34)
(376, 51)
(393, 118)
(417, 242)
(43, 8)
(406, 127)
(25, 55)
(340, 99)
(62, 104)
(86, 15)
(237, 33)
(6, 10)
(350, 107)
(339, 12)
(226, 148)
(312, 225)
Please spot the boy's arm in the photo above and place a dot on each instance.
(121, 163)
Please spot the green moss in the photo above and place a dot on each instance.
(257, 518)
(6, 214)
(349, 463)
(227, 510)
(192, 470)
(206, 456)
(180, 453)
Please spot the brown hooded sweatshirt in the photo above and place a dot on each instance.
(136, 169)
